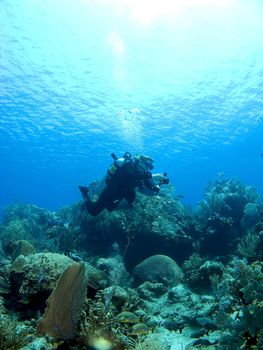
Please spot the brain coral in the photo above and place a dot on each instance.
(158, 268)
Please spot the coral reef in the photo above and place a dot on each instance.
(240, 305)
(228, 209)
(198, 274)
(156, 275)
(36, 275)
(155, 225)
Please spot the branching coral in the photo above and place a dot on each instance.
(248, 246)
(227, 210)
(150, 341)
(10, 337)
(241, 306)
(226, 197)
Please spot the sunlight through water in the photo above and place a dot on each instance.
(180, 80)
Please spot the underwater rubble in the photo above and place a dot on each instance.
(159, 275)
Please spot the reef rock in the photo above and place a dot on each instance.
(151, 291)
(117, 295)
(158, 269)
(180, 293)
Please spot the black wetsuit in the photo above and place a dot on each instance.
(120, 185)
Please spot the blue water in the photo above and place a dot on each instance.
(178, 80)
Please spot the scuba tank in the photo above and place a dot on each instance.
(98, 188)
(118, 163)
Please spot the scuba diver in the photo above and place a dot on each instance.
(123, 177)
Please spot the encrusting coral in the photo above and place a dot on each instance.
(35, 275)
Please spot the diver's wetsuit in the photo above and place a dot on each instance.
(120, 185)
